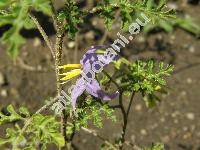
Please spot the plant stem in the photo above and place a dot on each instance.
(125, 117)
(54, 13)
(112, 80)
(44, 35)
(58, 59)
(57, 54)
(123, 111)
(60, 34)
(130, 103)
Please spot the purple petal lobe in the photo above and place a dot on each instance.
(77, 91)
(91, 54)
(94, 89)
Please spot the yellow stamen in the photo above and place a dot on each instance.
(70, 75)
(70, 66)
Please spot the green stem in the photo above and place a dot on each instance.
(58, 60)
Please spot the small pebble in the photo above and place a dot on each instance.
(143, 132)
(4, 93)
(138, 107)
(39, 67)
(185, 128)
(191, 49)
(175, 114)
(141, 39)
(189, 80)
(183, 93)
(190, 116)
(71, 44)
(154, 126)
(162, 119)
(176, 121)
(187, 135)
(36, 42)
(172, 37)
(90, 35)
(94, 22)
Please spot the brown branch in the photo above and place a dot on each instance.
(125, 117)
(42, 32)
(112, 80)
(130, 103)
(123, 111)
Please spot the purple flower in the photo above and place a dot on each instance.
(93, 86)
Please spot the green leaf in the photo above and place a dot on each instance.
(187, 23)
(28, 23)
(41, 5)
(46, 128)
(4, 3)
(24, 111)
(13, 116)
(3, 141)
(151, 100)
(16, 14)
(157, 146)
(58, 139)
(73, 16)
(14, 40)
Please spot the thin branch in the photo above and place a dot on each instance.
(46, 106)
(27, 67)
(125, 117)
(123, 111)
(130, 103)
(44, 35)
(60, 34)
(58, 61)
(116, 84)
(54, 14)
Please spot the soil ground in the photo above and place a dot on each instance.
(174, 122)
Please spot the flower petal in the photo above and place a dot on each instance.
(91, 54)
(78, 89)
(94, 89)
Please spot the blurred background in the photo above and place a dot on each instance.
(30, 79)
